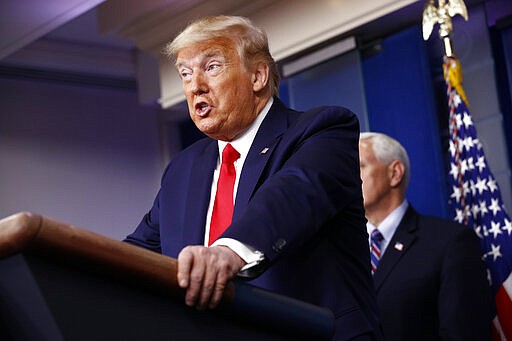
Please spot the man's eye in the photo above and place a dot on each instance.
(213, 67)
(185, 74)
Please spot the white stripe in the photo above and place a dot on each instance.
(497, 325)
(508, 285)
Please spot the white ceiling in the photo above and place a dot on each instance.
(61, 35)
(24, 21)
(84, 29)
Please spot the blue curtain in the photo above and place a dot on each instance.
(401, 103)
(337, 81)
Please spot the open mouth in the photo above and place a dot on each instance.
(202, 108)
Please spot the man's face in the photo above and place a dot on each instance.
(375, 176)
(219, 89)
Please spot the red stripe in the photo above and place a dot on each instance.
(376, 251)
(504, 309)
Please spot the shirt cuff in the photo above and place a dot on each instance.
(250, 256)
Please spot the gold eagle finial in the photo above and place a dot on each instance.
(442, 15)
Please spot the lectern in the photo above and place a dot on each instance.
(61, 282)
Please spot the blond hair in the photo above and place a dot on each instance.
(251, 42)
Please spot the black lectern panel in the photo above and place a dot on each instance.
(46, 301)
(24, 314)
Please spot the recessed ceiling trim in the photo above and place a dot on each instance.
(318, 56)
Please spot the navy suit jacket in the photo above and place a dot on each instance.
(431, 282)
(298, 201)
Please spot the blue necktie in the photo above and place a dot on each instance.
(375, 248)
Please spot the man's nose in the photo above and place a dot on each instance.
(198, 85)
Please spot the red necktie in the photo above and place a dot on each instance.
(223, 205)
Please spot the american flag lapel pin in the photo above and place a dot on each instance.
(264, 150)
(399, 246)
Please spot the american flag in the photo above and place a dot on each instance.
(476, 199)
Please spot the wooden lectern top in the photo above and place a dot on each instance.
(34, 233)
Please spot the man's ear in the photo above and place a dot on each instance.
(260, 77)
(396, 173)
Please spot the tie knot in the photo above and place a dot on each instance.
(229, 154)
(377, 236)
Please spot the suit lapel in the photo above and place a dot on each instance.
(198, 196)
(400, 243)
(265, 141)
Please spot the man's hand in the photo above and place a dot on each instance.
(204, 272)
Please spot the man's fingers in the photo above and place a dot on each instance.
(217, 294)
(226, 270)
(209, 284)
(195, 284)
(204, 272)
(185, 261)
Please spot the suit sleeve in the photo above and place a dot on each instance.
(315, 177)
(465, 300)
(147, 233)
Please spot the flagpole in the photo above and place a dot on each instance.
(442, 15)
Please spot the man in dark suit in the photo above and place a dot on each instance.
(298, 225)
(430, 280)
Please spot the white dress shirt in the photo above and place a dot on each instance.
(242, 144)
(388, 226)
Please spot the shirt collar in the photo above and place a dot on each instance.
(389, 225)
(243, 143)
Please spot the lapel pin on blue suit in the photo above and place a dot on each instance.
(264, 150)
(399, 246)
